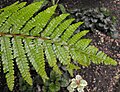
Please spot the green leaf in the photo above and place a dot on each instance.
(60, 29)
(70, 31)
(64, 82)
(77, 36)
(54, 87)
(7, 61)
(18, 19)
(21, 59)
(92, 50)
(81, 57)
(35, 53)
(39, 21)
(83, 43)
(62, 54)
(70, 67)
(50, 55)
(53, 24)
(54, 76)
(9, 10)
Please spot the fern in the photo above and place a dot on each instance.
(8, 62)
(28, 35)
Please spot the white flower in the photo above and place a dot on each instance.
(78, 83)
(73, 83)
(70, 89)
(83, 83)
(80, 89)
(78, 77)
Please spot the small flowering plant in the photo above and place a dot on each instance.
(77, 83)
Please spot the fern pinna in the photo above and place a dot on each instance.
(27, 35)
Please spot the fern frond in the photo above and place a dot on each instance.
(39, 48)
(36, 56)
(82, 43)
(38, 22)
(69, 31)
(17, 20)
(62, 54)
(71, 67)
(60, 29)
(77, 36)
(21, 60)
(29, 35)
(90, 53)
(7, 61)
(9, 7)
(8, 11)
(92, 50)
(53, 24)
(81, 58)
(50, 55)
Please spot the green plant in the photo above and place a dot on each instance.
(23, 87)
(28, 35)
(96, 19)
(55, 82)
(54, 2)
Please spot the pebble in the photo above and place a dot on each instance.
(118, 55)
(102, 39)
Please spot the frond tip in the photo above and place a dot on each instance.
(29, 35)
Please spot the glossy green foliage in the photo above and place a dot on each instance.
(96, 19)
(27, 35)
(55, 82)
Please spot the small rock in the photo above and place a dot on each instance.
(102, 39)
(118, 55)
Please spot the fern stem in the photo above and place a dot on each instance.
(31, 37)
(21, 35)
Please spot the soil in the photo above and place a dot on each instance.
(103, 78)
(100, 78)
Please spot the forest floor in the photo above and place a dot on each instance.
(101, 78)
